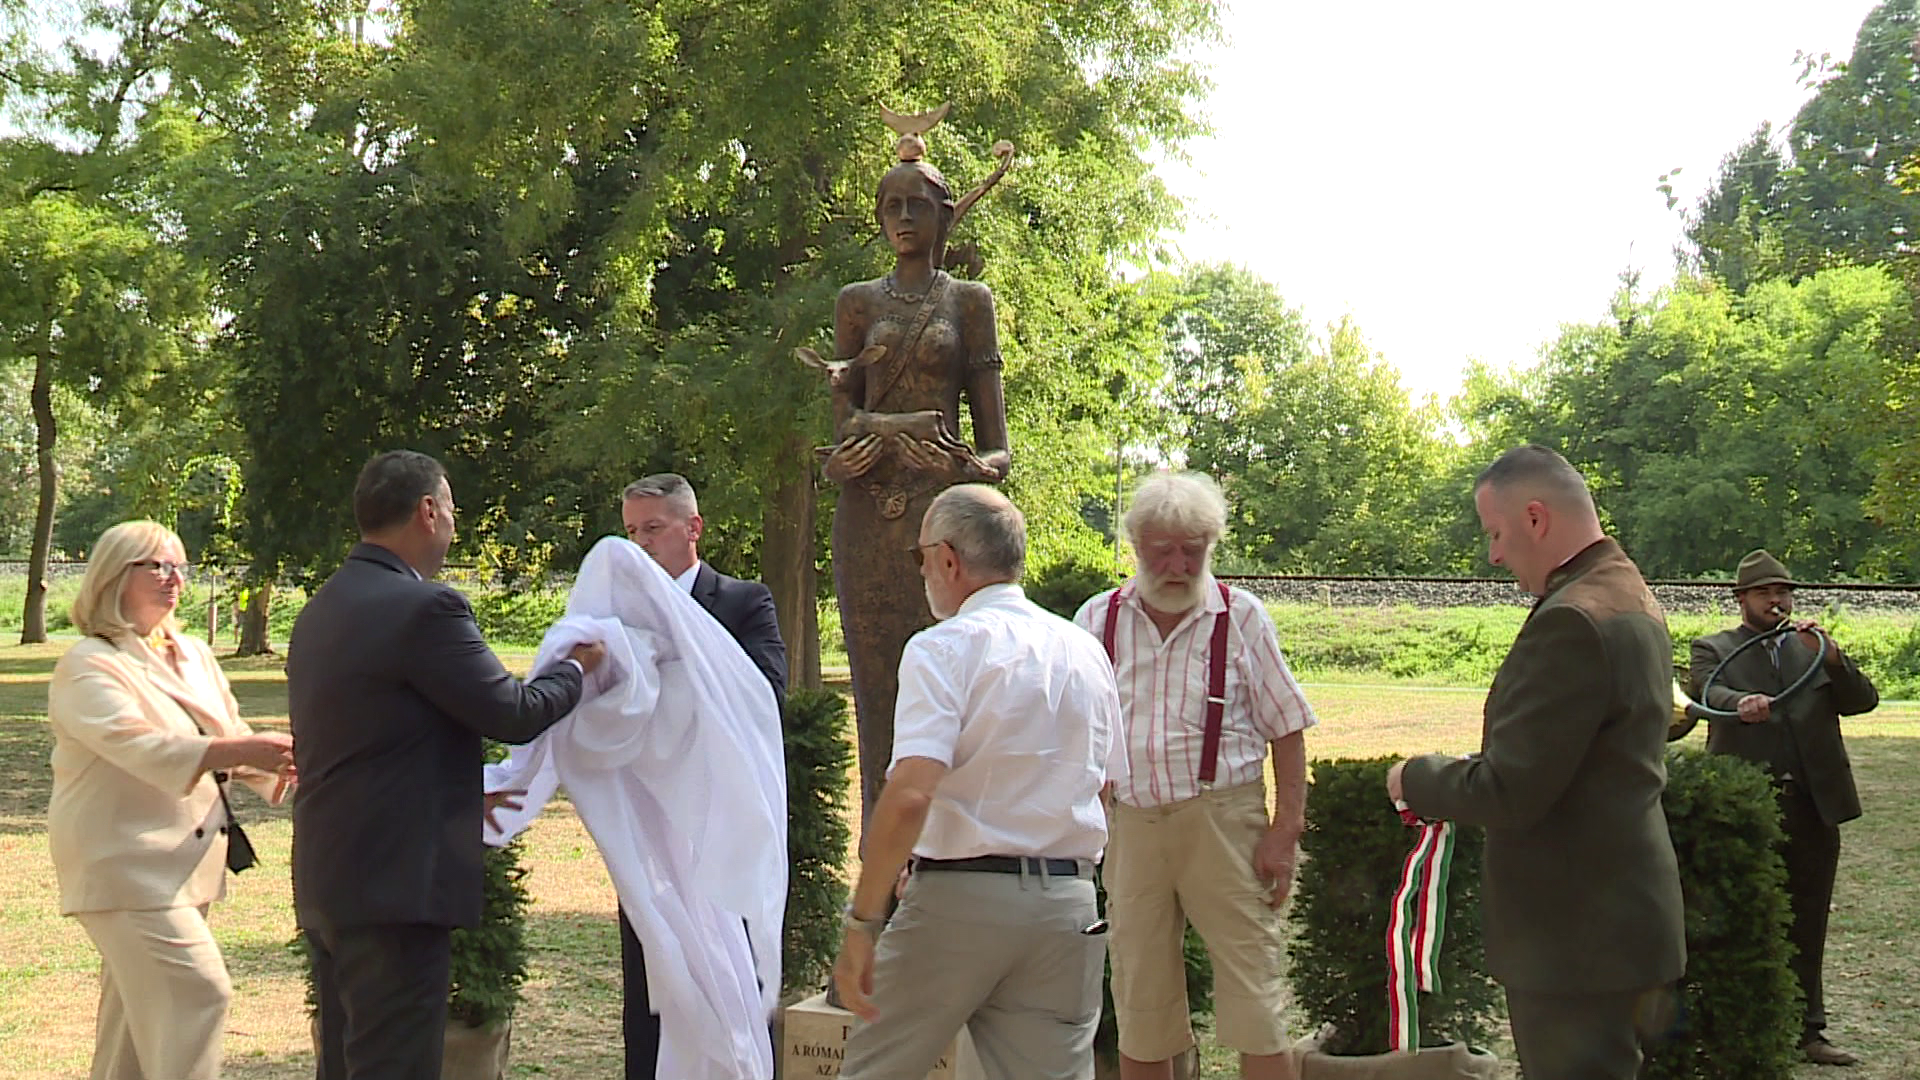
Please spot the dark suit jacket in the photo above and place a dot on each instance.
(745, 608)
(1581, 891)
(391, 687)
(1801, 736)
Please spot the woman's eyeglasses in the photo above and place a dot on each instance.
(162, 570)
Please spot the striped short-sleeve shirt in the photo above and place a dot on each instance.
(1163, 693)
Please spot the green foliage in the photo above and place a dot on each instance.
(1840, 190)
(589, 263)
(516, 617)
(1709, 422)
(1062, 587)
(1464, 646)
(1741, 1011)
(1328, 464)
(490, 960)
(1460, 646)
(1355, 847)
(818, 751)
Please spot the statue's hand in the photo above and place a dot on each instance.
(993, 466)
(924, 456)
(853, 458)
(973, 468)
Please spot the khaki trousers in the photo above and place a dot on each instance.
(164, 994)
(1192, 861)
(1001, 954)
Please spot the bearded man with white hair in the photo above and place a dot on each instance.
(1206, 697)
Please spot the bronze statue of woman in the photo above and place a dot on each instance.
(917, 341)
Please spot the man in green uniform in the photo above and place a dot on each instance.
(1796, 737)
(1581, 894)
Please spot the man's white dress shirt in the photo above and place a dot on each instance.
(1021, 707)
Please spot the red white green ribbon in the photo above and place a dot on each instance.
(1415, 928)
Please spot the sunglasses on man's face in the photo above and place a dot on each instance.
(919, 552)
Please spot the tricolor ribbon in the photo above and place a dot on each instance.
(1415, 928)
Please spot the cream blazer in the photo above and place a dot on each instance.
(134, 823)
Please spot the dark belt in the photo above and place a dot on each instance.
(1003, 864)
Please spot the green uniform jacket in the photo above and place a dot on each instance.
(1581, 892)
(1801, 736)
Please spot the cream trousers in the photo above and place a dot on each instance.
(164, 994)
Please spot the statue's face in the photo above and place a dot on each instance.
(910, 213)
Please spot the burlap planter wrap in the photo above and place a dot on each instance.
(476, 1053)
(471, 1053)
(1453, 1061)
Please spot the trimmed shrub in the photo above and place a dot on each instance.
(517, 618)
(1354, 848)
(1740, 1002)
(1062, 587)
(490, 960)
(818, 753)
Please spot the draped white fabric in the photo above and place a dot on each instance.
(673, 761)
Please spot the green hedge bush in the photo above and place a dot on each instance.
(819, 751)
(488, 962)
(517, 617)
(1355, 847)
(1062, 587)
(1740, 1001)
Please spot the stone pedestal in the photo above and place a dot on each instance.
(814, 1038)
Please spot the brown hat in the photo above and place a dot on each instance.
(1759, 568)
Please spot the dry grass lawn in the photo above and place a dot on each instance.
(569, 1024)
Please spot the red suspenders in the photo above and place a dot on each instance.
(1216, 678)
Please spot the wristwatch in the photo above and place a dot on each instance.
(870, 927)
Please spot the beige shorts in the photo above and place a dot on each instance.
(1192, 861)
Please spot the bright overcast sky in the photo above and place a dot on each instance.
(1464, 178)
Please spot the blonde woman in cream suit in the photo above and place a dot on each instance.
(142, 720)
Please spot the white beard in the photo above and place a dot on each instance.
(1172, 599)
(934, 606)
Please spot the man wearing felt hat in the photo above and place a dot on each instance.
(1796, 738)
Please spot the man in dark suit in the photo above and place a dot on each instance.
(391, 689)
(1582, 890)
(1797, 739)
(662, 515)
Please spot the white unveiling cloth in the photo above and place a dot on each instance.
(673, 761)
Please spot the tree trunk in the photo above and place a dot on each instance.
(786, 562)
(253, 621)
(33, 620)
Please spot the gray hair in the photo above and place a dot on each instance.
(1185, 503)
(669, 486)
(1537, 470)
(986, 531)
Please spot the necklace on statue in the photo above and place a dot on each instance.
(887, 284)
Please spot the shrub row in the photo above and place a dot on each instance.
(1739, 1004)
